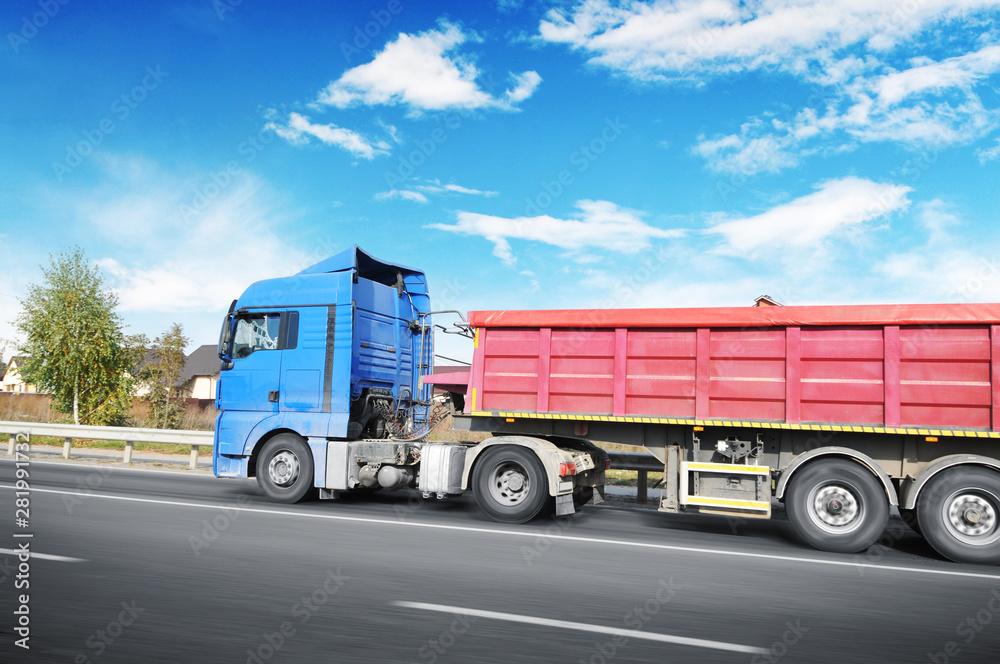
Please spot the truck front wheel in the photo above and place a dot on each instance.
(959, 514)
(509, 484)
(285, 469)
(837, 505)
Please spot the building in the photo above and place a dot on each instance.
(200, 376)
(11, 380)
(766, 301)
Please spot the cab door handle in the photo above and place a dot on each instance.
(272, 396)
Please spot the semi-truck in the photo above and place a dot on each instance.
(840, 413)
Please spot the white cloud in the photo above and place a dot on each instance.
(403, 194)
(852, 52)
(929, 106)
(417, 192)
(170, 248)
(807, 222)
(958, 72)
(747, 153)
(436, 187)
(525, 86)
(693, 39)
(599, 225)
(424, 72)
(989, 154)
(299, 129)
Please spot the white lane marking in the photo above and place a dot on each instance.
(532, 535)
(583, 627)
(43, 556)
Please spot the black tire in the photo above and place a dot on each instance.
(959, 514)
(510, 485)
(837, 505)
(285, 469)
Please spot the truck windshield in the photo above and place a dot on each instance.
(256, 332)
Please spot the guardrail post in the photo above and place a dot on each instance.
(128, 452)
(642, 495)
(194, 457)
(67, 446)
(10, 445)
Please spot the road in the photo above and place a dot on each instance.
(152, 566)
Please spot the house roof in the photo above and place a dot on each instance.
(204, 361)
(17, 358)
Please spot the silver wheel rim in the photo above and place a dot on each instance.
(509, 483)
(283, 469)
(835, 508)
(971, 517)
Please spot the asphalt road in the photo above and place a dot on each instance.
(149, 566)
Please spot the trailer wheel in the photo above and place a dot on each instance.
(285, 469)
(837, 505)
(509, 484)
(959, 514)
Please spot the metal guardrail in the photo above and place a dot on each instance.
(641, 462)
(130, 435)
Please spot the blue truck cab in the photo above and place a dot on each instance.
(334, 352)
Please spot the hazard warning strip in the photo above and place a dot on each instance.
(841, 428)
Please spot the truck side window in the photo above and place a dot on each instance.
(256, 332)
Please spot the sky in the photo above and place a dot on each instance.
(549, 155)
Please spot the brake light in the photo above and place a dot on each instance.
(566, 469)
(607, 464)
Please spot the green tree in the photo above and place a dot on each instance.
(74, 344)
(164, 364)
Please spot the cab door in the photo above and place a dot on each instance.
(252, 383)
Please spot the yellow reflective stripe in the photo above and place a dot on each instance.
(728, 467)
(728, 502)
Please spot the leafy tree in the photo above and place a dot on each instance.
(74, 344)
(163, 367)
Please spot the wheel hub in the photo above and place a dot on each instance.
(283, 468)
(971, 515)
(835, 508)
(509, 484)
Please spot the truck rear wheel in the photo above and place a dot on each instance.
(959, 514)
(285, 469)
(837, 505)
(509, 484)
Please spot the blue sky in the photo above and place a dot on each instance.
(525, 155)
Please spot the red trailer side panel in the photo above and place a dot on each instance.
(921, 366)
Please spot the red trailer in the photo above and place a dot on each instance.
(840, 412)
